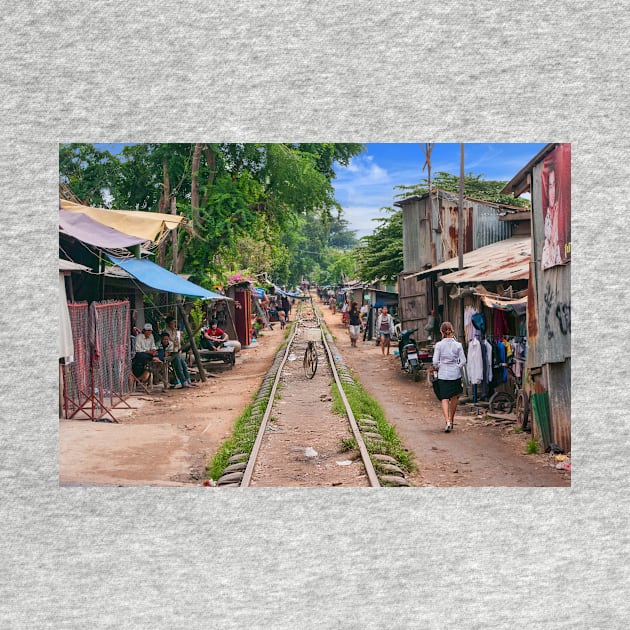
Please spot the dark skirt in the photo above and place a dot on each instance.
(448, 389)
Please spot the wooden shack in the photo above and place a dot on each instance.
(430, 239)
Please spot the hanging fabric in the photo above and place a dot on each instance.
(500, 323)
(475, 362)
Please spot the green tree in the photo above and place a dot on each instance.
(380, 254)
(280, 195)
(474, 186)
(340, 237)
(88, 171)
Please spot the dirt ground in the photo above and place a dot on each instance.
(479, 452)
(169, 437)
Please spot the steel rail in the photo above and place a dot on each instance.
(253, 456)
(365, 456)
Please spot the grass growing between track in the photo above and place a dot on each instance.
(364, 406)
(245, 429)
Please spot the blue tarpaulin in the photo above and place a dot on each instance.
(159, 278)
(281, 292)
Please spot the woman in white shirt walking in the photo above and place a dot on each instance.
(448, 359)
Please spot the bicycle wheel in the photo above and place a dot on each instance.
(501, 402)
(310, 361)
(522, 410)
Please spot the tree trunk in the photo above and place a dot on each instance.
(194, 186)
(175, 266)
(211, 159)
(163, 207)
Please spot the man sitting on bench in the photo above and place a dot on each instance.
(213, 338)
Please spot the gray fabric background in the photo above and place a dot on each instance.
(342, 71)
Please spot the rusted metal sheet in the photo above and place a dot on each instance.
(549, 323)
(507, 260)
(517, 249)
(558, 376)
(553, 295)
(431, 228)
(488, 227)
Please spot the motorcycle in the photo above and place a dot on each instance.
(410, 358)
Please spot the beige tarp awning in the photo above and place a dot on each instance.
(150, 226)
(68, 265)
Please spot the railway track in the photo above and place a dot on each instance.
(299, 441)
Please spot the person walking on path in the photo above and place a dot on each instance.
(354, 320)
(385, 329)
(448, 359)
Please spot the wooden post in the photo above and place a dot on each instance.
(460, 238)
(193, 345)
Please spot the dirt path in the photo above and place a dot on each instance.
(478, 452)
(302, 444)
(170, 437)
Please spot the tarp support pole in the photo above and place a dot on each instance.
(193, 345)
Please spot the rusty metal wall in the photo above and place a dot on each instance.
(481, 227)
(558, 377)
(549, 325)
(488, 228)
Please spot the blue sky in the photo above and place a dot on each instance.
(367, 184)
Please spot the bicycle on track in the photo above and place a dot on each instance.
(313, 335)
(310, 360)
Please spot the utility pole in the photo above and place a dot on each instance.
(460, 238)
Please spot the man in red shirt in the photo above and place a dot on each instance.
(213, 337)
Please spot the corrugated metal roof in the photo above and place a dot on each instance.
(511, 251)
(507, 263)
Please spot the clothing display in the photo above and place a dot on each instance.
(500, 326)
(469, 329)
(475, 362)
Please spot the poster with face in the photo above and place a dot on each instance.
(556, 207)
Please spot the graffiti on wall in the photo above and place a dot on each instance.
(561, 310)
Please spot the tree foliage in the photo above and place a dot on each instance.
(474, 186)
(233, 195)
(380, 255)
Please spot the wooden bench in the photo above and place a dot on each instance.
(226, 355)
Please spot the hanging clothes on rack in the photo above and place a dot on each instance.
(500, 327)
(486, 357)
(501, 372)
(474, 362)
(469, 329)
(520, 352)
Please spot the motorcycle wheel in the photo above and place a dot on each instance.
(416, 372)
